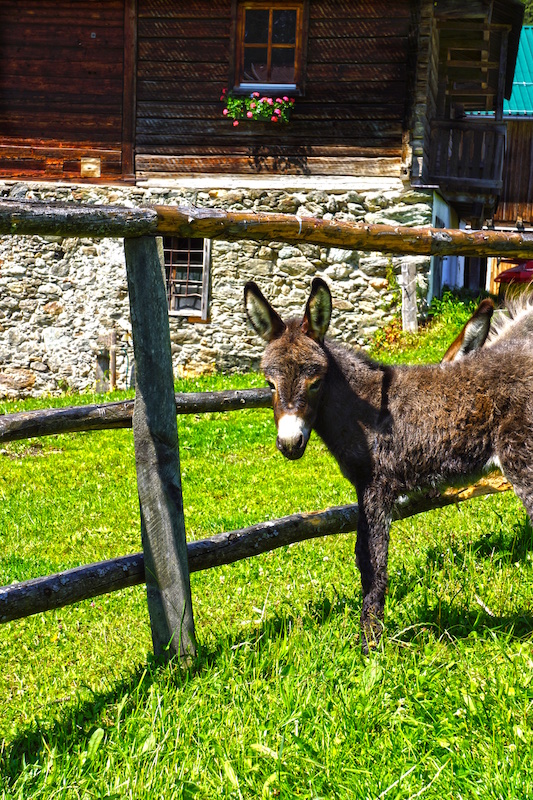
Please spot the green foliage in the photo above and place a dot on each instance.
(446, 316)
(280, 702)
(528, 12)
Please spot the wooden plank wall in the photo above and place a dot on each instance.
(61, 85)
(516, 199)
(353, 108)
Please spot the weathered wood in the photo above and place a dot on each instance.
(69, 219)
(101, 221)
(157, 456)
(408, 285)
(55, 591)
(250, 164)
(105, 416)
(396, 239)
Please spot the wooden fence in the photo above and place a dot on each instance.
(167, 559)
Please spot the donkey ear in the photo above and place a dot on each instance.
(317, 311)
(474, 333)
(261, 316)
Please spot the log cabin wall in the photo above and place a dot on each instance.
(61, 88)
(516, 200)
(426, 88)
(349, 119)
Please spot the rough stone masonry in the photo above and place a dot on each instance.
(60, 298)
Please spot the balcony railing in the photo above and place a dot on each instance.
(466, 156)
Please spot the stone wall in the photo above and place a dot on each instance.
(59, 296)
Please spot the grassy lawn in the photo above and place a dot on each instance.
(281, 702)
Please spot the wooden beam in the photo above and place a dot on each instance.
(106, 416)
(395, 239)
(157, 456)
(71, 219)
(129, 88)
(211, 223)
(72, 586)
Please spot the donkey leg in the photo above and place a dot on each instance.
(371, 551)
(516, 458)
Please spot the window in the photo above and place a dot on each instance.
(187, 276)
(269, 46)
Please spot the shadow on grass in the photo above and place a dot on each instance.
(71, 732)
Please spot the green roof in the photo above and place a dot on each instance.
(521, 101)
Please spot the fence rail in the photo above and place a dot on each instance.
(210, 223)
(102, 416)
(81, 583)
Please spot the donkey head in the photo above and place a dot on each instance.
(294, 362)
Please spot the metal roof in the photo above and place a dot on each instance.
(521, 101)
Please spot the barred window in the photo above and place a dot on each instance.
(187, 263)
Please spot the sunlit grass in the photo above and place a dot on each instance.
(280, 701)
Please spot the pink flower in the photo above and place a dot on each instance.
(225, 111)
(249, 114)
(235, 123)
(285, 99)
(279, 100)
(277, 112)
(255, 94)
(252, 105)
(270, 101)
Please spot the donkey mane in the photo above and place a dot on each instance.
(514, 321)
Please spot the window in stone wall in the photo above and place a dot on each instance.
(269, 45)
(187, 265)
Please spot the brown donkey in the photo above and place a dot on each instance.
(394, 430)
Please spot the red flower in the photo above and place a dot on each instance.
(249, 114)
(224, 111)
(273, 119)
(235, 123)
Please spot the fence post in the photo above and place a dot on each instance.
(157, 456)
(408, 285)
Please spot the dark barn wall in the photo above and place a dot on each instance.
(354, 103)
(516, 199)
(61, 84)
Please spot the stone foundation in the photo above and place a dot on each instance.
(59, 297)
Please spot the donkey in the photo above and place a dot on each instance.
(394, 430)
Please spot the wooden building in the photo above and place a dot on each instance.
(122, 90)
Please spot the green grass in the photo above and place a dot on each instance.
(445, 319)
(280, 701)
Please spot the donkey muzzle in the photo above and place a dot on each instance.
(293, 435)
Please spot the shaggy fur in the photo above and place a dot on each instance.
(395, 430)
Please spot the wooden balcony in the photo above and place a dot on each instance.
(466, 163)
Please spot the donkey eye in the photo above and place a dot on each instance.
(271, 385)
(315, 386)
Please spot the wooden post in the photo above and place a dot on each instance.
(408, 284)
(157, 456)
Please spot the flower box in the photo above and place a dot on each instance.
(256, 107)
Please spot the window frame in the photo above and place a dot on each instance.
(192, 314)
(239, 8)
